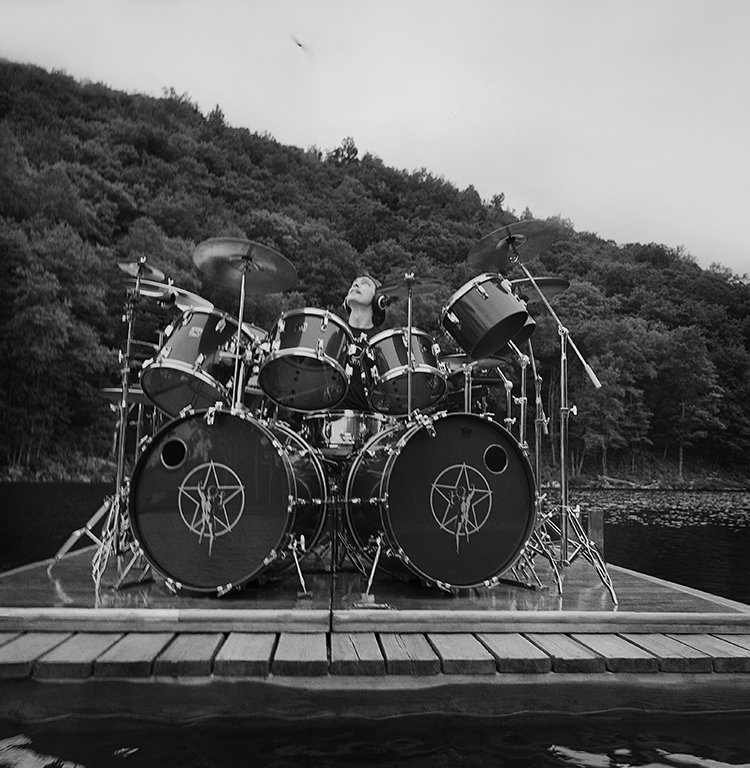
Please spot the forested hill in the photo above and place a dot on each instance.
(90, 176)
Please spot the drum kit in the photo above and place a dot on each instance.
(252, 464)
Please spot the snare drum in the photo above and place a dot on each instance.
(217, 498)
(386, 371)
(454, 500)
(484, 315)
(307, 366)
(195, 366)
(341, 433)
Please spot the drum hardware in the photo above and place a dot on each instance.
(116, 537)
(501, 248)
(549, 287)
(410, 286)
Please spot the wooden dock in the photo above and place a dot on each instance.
(138, 651)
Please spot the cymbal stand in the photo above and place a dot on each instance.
(112, 539)
(569, 517)
(409, 280)
(521, 400)
(239, 368)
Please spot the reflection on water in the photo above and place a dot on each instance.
(432, 741)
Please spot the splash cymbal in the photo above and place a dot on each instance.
(114, 395)
(170, 294)
(148, 272)
(419, 286)
(226, 259)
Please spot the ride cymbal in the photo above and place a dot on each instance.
(170, 294)
(457, 363)
(549, 286)
(498, 251)
(226, 259)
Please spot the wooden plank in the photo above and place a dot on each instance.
(133, 655)
(356, 654)
(409, 654)
(301, 654)
(673, 655)
(462, 654)
(17, 656)
(619, 654)
(6, 637)
(568, 655)
(190, 654)
(743, 641)
(514, 653)
(727, 656)
(75, 657)
(245, 654)
(408, 620)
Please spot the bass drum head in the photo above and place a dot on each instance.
(209, 502)
(461, 504)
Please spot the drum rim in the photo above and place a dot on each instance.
(385, 508)
(182, 367)
(291, 506)
(316, 312)
(466, 287)
(399, 330)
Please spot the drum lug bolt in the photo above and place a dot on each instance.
(199, 361)
(186, 411)
(221, 591)
(221, 325)
(452, 317)
(481, 291)
(165, 352)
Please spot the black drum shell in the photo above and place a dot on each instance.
(386, 372)
(484, 315)
(307, 367)
(283, 494)
(195, 365)
(408, 473)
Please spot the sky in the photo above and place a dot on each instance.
(630, 118)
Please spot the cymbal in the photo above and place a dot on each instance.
(457, 363)
(147, 271)
(497, 252)
(419, 286)
(225, 259)
(549, 286)
(114, 395)
(170, 294)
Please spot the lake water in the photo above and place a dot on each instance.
(531, 741)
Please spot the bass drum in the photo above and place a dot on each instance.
(217, 497)
(454, 499)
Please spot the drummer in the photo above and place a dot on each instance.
(366, 313)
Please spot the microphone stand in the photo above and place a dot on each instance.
(569, 518)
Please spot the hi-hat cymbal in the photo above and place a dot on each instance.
(549, 286)
(226, 259)
(170, 294)
(497, 252)
(419, 286)
(457, 363)
(147, 271)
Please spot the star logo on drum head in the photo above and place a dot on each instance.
(461, 501)
(211, 500)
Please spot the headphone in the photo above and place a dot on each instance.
(382, 302)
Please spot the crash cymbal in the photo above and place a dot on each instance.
(114, 395)
(225, 259)
(170, 294)
(419, 286)
(498, 251)
(457, 363)
(147, 271)
(549, 286)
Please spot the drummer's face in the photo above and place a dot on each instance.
(362, 291)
